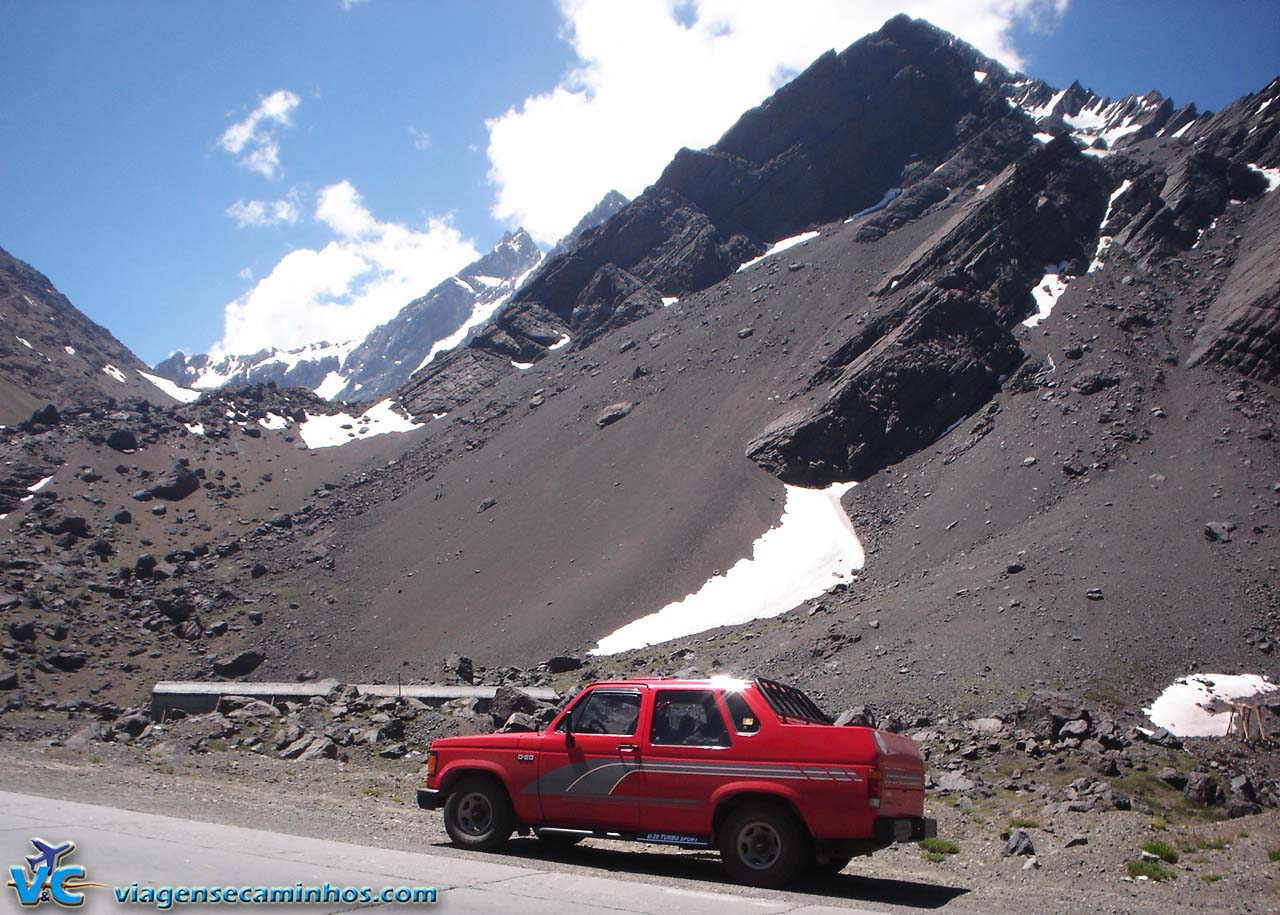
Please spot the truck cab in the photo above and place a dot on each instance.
(751, 767)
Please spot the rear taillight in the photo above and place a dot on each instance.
(433, 760)
(873, 787)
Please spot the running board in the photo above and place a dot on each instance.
(658, 838)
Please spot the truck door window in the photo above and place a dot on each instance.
(688, 718)
(744, 720)
(607, 712)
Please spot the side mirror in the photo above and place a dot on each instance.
(568, 730)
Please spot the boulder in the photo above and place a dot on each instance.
(238, 664)
(47, 415)
(1202, 789)
(459, 669)
(955, 781)
(321, 747)
(519, 722)
(507, 701)
(860, 716)
(1219, 531)
(614, 412)
(179, 483)
(563, 664)
(122, 440)
(67, 661)
(23, 632)
(8, 679)
(1078, 729)
(1173, 778)
(1019, 844)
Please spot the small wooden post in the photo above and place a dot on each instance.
(1240, 715)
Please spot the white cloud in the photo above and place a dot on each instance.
(340, 292)
(254, 140)
(421, 139)
(350, 4)
(655, 75)
(266, 212)
(246, 273)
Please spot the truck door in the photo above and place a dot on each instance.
(688, 755)
(590, 777)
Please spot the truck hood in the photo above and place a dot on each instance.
(484, 741)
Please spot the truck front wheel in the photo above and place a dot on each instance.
(763, 845)
(478, 813)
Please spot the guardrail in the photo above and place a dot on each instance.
(197, 696)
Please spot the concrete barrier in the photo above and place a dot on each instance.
(198, 696)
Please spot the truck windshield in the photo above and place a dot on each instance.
(789, 702)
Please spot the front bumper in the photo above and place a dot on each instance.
(906, 829)
(432, 799)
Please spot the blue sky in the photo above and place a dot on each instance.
(394, 141)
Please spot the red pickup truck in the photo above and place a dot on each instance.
(752, 767)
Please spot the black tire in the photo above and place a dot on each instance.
(763, 845)
(558, 840)
(478, 813)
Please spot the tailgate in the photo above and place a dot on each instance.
(901, 775)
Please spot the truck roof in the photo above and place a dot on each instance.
(718, 682)
(786, 701)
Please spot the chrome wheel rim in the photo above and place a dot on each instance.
(475, 814)
(759, 846)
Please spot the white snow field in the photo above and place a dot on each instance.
(1046, 293)
(177, 392)
(813, 548)
(1104, 241)
(322, 431)
(778, 247)
(1200, 705)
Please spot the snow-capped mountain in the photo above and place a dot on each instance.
(1097, 122)
(361, 369)
(437, 321)
(307, 366)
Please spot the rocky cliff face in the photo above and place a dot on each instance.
(50, 352)
(827, 145)
(599, 214)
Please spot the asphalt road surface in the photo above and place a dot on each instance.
(119, 847)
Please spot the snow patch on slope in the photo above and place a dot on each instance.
(326, 431)
(778, 247)
(1046, 293)
(114, 373)
(177, 392)
(1271, 174)
(332, 385)
(1200, 705)
(813, 547)
(1104, 241)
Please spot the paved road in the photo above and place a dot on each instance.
(118, 847)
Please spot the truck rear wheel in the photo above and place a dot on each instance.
(763, 845)
(478, 813)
